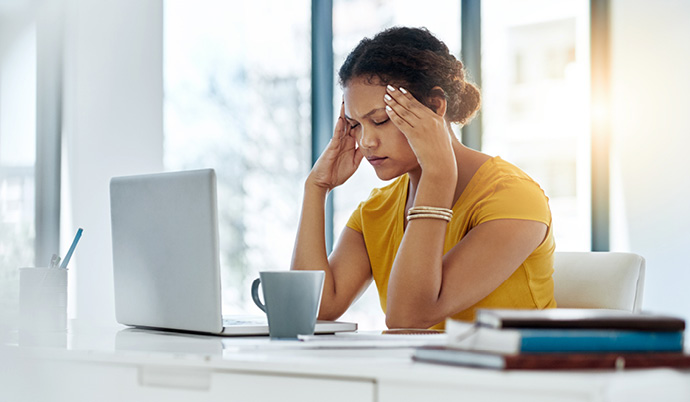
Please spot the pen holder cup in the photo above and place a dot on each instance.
(43, 299)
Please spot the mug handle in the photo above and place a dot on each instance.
(255, 294)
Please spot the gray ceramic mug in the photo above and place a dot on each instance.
(292, 301)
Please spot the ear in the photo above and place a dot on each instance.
(437, 101)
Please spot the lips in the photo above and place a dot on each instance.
(376, 160)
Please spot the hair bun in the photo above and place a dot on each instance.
(416, 59)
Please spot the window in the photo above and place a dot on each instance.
(237, 98)
(535, 113)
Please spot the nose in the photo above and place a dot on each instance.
(367, 138)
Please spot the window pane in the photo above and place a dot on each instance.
(237, 99)
(352, 21)
(17, 159)
(535, 113)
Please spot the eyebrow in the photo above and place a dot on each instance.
(366, 115)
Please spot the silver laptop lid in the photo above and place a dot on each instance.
(165, 250)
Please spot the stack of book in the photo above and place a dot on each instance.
(561, 339)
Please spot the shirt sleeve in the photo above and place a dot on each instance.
(515, 198)
(355, 221)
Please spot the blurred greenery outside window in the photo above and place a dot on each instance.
(237, 99)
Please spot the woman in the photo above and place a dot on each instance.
(456, 230)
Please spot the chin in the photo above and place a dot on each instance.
(385, 176)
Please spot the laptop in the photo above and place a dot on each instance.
(166, 257)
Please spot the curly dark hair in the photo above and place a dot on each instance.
(416, 60)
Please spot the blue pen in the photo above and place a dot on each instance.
(71, 249)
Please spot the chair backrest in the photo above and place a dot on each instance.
(599, 280)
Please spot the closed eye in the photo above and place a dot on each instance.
(353, 126)
(378, 123)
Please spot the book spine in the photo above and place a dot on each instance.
(578, 361)
(546, 340)
(550, 361)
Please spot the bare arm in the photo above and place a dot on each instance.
(347, 269)
(424, 291)
(425, 285)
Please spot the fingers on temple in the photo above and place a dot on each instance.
(340, 128)
(403, 107)
(399, 121)
(405, 99)
(397, 111)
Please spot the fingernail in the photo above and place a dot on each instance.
(388, 108)
(387, 97)
(403, 90)
(390, 88)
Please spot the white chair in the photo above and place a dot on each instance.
(599, 280)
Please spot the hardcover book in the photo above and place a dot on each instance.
(462, 335)
(578, 318)
(549, 361)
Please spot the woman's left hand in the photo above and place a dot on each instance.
(426, 131)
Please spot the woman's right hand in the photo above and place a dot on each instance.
(339, 161)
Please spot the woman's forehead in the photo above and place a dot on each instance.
(361, 97)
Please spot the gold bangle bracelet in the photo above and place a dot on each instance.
(435, 209)
(428, 216)
(430, 212)
(449, 216)
(444, 211)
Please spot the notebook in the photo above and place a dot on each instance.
(579, 318)
(166, 258)
(550, 361)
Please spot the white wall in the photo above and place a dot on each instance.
(651, 140)
(113, 126)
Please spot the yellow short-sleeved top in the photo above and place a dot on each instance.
(498, 190)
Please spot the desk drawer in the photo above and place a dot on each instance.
(77, 381)
(288, 388)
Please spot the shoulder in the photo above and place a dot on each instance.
(499, 175)
(499, 169)
(508, 192)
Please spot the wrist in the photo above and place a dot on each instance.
(314, 188)
(436, 189)
(440, 177)
(441, 164)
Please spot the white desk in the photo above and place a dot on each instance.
(89, 364)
